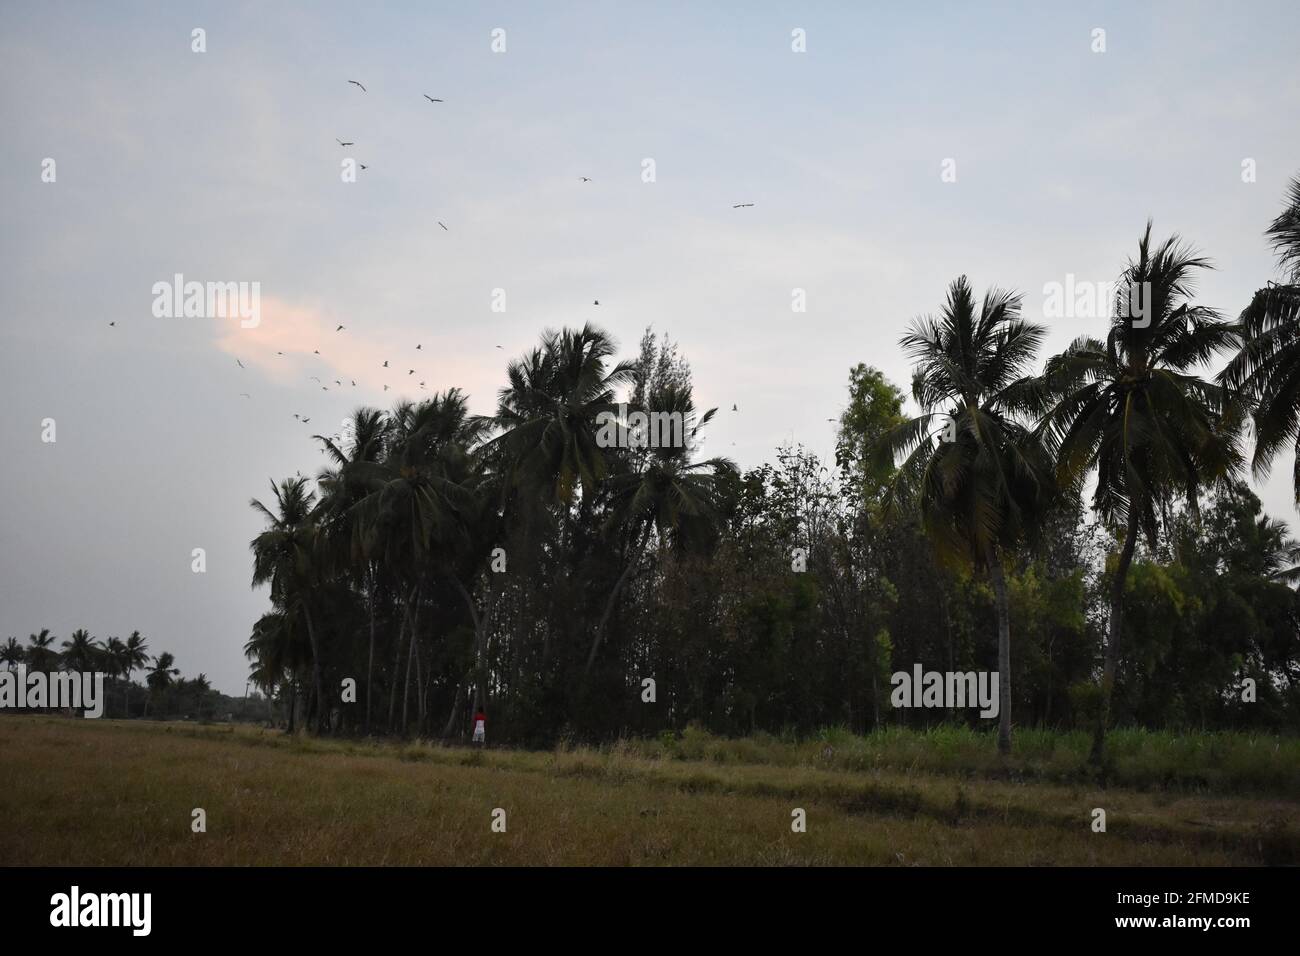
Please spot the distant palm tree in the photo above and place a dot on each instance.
(287, 556)
(976, 474)
(134, 656)
(160, 676)
(41, 655)
(82, 653)
(114, 657)
(12, 653)
(1267, 368)
(1133, 411)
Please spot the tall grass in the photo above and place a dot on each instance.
(1227, 762)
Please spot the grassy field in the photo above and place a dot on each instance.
(104, 792)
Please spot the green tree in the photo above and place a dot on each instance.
(287, 556)
(160, 677)
(134, 656)
(41, 655)
(1133, 412)
(82, 652)
(1267, 367)
(345, 484)
(875, 408)
(972, 470)
(547, 413)
(12, 653)
(664, 492)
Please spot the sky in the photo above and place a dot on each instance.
(904, 146)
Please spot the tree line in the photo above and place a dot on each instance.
(164, 692)
(1089, 513)
(1094, 506)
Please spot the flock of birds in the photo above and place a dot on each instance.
(419, 347)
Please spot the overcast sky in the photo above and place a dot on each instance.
(224, 166)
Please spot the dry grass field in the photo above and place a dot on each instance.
(106, 792)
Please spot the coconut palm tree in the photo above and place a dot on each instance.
(113, 657)
(1267, 368)
(976, 474)
(412, 514)
(287, 556)
(277, 652)
(82, 653)
(160, 677)
(134, 656)
(345, 485)
(663, 493)
(12, 653)
(547, 412)
(1133, 411)
(41, 655)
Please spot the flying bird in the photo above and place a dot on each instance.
(444, 227)
(385, 388)
(306, 420)
(355, 83)
(411, 372)
(354, 383)
(385, 363)
(597, 302)
(315, 351)
(431, 99)
(245, 394)
(500, 346)
(340, 328)
(239, 363)
(112, 323)
(279, 353)
(742, 205)
(363, 165)
(585, 179)
(341, 143)
(417, 348)
(734, 408)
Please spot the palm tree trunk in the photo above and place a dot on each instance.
(999, 582)
(480, 622)
(632, 561)
(1113, 637)
(316, 671)
(413, 624)
(397, 672)
(419, 691)
(370, 660)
